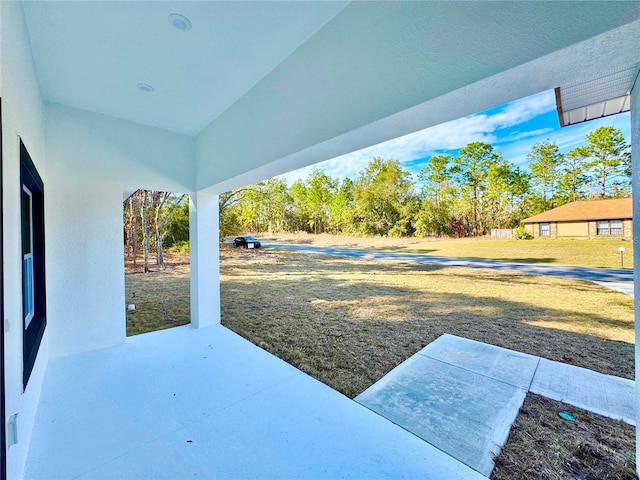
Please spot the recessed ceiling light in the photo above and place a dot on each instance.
(145, 87)
(180, 22)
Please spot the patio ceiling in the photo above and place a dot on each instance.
(92, 55)
(268, 87)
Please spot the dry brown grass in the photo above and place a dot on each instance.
(161, 296)
(543, 446)
(348, 322)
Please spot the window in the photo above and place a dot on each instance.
(603, 228)
(27, 255)
(33, 277)
(609, 227)
(615, 227)
(545, 231)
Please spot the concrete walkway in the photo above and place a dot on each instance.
(188, 403)
(462, 396)
(617, 279)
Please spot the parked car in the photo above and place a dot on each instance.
(246, 241)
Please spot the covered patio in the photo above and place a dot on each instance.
(205, 403)
(99, 99)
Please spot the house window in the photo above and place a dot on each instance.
(27, 255)
(609, 227)
(33, 274)
(603, 228)
(545, 229)
(615, 227)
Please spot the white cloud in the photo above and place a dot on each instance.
(515, 135)
(523, 110)
(495, 126)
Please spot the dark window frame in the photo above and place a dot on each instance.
(33, 333)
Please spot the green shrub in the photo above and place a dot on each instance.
(521, 233)
(179, 247)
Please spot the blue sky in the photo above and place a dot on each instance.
(511, 128)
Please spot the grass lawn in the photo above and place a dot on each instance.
(591, 253)
(347, 322)
(161, 296)
(542, 446)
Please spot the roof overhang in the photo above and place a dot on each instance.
(601, 96)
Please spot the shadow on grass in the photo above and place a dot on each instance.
(348, 334)
(528, 260)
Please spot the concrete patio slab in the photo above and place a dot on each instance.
(504, 365)
(462, 396)
(464, 413)
(606, 395)
(205, 403)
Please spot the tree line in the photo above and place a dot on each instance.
(463, 195)
(153, 222)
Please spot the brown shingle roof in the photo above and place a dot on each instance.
(610, 209)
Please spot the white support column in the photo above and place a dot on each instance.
(635, 162)
(205, 259)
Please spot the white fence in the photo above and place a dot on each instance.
(502, 233)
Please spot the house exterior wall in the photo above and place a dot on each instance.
(529, 228)
(584, 230)
(92, 157)
(85, 160)
(534, 229)
(573, 230)
(635, 163)
(22, 118)
(86, 144)
(627, 229)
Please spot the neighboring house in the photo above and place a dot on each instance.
(99, 99)
(587, 219)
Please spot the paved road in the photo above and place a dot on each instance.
(618, 279)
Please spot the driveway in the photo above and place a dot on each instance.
(616, 279)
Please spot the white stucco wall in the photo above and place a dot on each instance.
(85, 267)
(635, 158)
(85, 160)
(91, 158)
(204, 259)
(85, 144)
(22, 117)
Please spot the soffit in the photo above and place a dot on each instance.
(609, 93)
